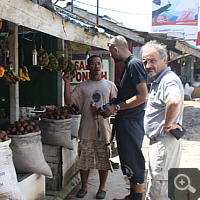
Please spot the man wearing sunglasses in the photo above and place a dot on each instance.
(132, 93)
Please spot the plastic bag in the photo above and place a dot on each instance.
(62, 63)
(43, 58)
(53, 62)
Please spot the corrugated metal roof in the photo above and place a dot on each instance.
(78, 21)
(176, 44)
(74, 19)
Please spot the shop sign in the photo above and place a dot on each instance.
(83, 73)
(175, 16)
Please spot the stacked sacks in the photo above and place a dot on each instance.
(26, 146)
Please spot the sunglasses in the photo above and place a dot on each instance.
(110, 44)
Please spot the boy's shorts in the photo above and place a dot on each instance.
(94, 155)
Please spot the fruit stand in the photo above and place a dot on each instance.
(26, 86)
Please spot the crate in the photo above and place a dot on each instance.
(53, 156)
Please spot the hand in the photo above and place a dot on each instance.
(66, 77)
(110, 110)
(174, 126)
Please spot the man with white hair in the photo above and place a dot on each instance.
(164, 110)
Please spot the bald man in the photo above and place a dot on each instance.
(132, 94)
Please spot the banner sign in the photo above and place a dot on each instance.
(83, 73)
(175, 16)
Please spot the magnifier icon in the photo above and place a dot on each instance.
(184, 182)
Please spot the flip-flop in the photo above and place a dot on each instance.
(100, 194)
(81, 193)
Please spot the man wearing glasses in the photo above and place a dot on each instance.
(132, 93)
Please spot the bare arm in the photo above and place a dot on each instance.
(134, 101)
(140, 98)
(67, 94)
(173, 109)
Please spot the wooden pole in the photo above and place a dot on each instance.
(72, 7)
(97, 12)
(14, 88)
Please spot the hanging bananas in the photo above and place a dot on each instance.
(23, 73)
(10, 77)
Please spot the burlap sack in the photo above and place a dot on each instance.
(28, 156)
(9, 186)
(57, 132)
(75, 125)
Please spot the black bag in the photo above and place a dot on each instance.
(177, 133)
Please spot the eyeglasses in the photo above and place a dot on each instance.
(110, 44)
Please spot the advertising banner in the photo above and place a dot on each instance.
(83, 73)
(175, 16)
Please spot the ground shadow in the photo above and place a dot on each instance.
(191, 117)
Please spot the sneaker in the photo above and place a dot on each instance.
(81, 193)
(100, 194)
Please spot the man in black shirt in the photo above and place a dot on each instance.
(129, 105)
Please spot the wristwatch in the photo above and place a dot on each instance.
(117, 107)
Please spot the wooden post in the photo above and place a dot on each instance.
(192, 70)
(60, 83)
(14, 89)
(97, 12)
(72, 7)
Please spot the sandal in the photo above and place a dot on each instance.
(81, 193)
(100, 194)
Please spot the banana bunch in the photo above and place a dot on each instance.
(23, 73)
(10, 77)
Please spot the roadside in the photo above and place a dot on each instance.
(117, 185)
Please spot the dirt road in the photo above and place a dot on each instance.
(191, 140)
(118, 185)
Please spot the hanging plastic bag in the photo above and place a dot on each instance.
(62, 63)
(71, 68)
(53, 62)
(43, 58)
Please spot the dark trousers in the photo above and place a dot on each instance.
(129, 135)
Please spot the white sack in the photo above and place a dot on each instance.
(9, 186)
(75, 125)
(28, 156)
(57, 132)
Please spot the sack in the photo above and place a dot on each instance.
(57, 132)
(27, 154)
(9, 186)
(75, 125)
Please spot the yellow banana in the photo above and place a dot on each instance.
(23, 74)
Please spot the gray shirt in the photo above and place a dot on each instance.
(168, 84)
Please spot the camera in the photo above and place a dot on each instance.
(102, 108)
